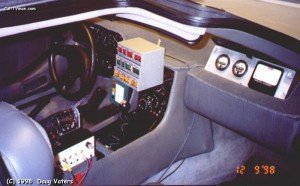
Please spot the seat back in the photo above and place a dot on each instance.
(24, 146)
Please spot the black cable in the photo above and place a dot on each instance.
(172, 171)
(74, 177)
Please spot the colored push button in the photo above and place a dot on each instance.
(136, 71)
(120, 49)
(128, 66)
(126, 79)
(135, 83)
(116, 73)
(118, 61)
(124, 51)
(137, 57)
(131, 81)
(121, 76)
(129, 54)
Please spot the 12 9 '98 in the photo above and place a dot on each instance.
(19, 181)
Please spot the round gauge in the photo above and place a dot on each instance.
(222, 62)
(239, 68)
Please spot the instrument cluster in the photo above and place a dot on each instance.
(254, 73)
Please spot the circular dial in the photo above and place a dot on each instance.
(240, 68)
(222, 62)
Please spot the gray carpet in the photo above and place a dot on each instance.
(231, 150)
(219, 165)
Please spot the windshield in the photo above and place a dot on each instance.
(279, 15)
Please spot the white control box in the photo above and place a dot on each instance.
(139, 63)
(76, 154)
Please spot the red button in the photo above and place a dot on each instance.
(120, 49)
(124, 51)
(137, 57)
(129, 54)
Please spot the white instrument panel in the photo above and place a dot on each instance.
(234, 57)
(76, 154)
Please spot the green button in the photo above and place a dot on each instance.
(136, 71)
(118, 61)
(128, 66)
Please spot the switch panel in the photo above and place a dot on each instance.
(76, 154)
(139, 64)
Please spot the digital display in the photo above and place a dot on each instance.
(267, 75)
(119, 93)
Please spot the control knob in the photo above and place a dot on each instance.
(89, 145)
(143, 104)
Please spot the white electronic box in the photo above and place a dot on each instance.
(139, 63)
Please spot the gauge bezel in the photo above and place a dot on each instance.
(228, 64)
(240, 61)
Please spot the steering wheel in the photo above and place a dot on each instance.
(79, 77)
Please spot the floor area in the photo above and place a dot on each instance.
(218, 166)
(230, 151)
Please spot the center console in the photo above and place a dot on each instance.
(151, 106)
(139, 67)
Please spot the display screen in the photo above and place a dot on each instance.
(119, 94)
(267, 75)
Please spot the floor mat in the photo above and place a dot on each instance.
(230, 151)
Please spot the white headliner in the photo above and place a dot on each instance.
(137, 14)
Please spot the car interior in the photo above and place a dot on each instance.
(145, 92)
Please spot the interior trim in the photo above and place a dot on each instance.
(184, 31)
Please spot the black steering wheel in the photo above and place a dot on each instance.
(79, 77)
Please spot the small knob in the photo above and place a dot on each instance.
(143, 104)
(89, 145)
